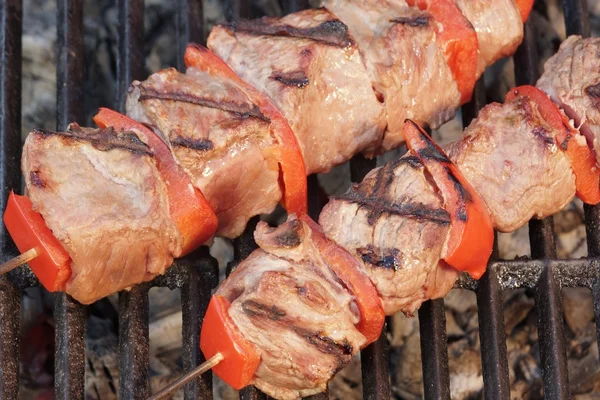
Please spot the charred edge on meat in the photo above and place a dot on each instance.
(195, 144)
(389, 258)
(464, 195)
(411, 160)
(416, 22)
(288, 237)
(564, 145)
(102, 139)
(255, 309)
(295, 78)
(333, 32)
(430, 152)
(594, 92)
(326, 345)
(36, 179)
(543, 134)
(241, 110)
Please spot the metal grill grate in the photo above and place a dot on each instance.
(197, 274)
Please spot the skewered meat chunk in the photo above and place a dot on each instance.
(510, 156)
(294, 309)
(219, 137)
(311, 67)
(111, 213)
(404, 60)
(399, 227)
(498, 25)
(572, 80)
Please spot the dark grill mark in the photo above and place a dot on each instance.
(196, 144)
(240, 110)
(296, 78)
(388, 258)
(543, 134)
(416, 22)
(255, 309)
(341, 351)
(332, 32)
(102, 139)
(564, 145)
(288, 235)
(411, 160)
(36, 179)
(594, 92)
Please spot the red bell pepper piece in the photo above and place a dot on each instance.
(192, 214)
(220, 335)
(525, 7)
(28, 230)
(288, 153)
(347, 268)
(583, 161)
(471, 234)
(459, 42)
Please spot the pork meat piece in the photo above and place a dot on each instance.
(572, 80)
(294, 309)
(498, 25)
(101, 194)
(407, 67)
(218, 136)
(510, 156)
(311, 67)
(395, 223)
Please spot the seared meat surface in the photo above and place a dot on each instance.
(404, 60)
(395, 223)
(510, 156)
(309, 64)
(572, 80)
(218, 136)
(498, 25)
(111, 213)
(293, 308)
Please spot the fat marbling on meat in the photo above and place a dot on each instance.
(395, 223)
(572, 80)
(100, 193)
(287, 301)
(309, 64)
(406, 64)
(218, 136)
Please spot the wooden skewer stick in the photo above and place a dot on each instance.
(18, 261)
(193, 374)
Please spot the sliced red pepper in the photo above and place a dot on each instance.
(52, 266)
(220, 335)
(192, 214)
(583, 161)
(289, 154)
(525, 7)
(347, 268)
(459, 42)
(471, 234)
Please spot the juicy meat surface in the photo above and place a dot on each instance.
(310, 66)
(101, 195)
(572, 80)
(509, 155)
(406, 65)
(293, 308)
(395, 223)
(498, 25)
(218, 136)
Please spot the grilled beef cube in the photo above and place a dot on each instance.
(498, 25)
(407, 68)
(294, 309)
(572, 80)
(101, 194)
(311, 67)
(398, 229)
(218, 136)
(510, 156)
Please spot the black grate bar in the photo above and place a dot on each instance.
(130, 45)
(238, 9)
(190, 26)
(434, 350)
(11, 16)
(290, 6)
(374, 364)
(576, 17)
(69, 316)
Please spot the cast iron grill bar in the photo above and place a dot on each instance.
(290, 6)
(577, 21)
(133, 304)
(190, 26)
(69, 315)
(548, 298)
(11, 15)
(434, 350)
